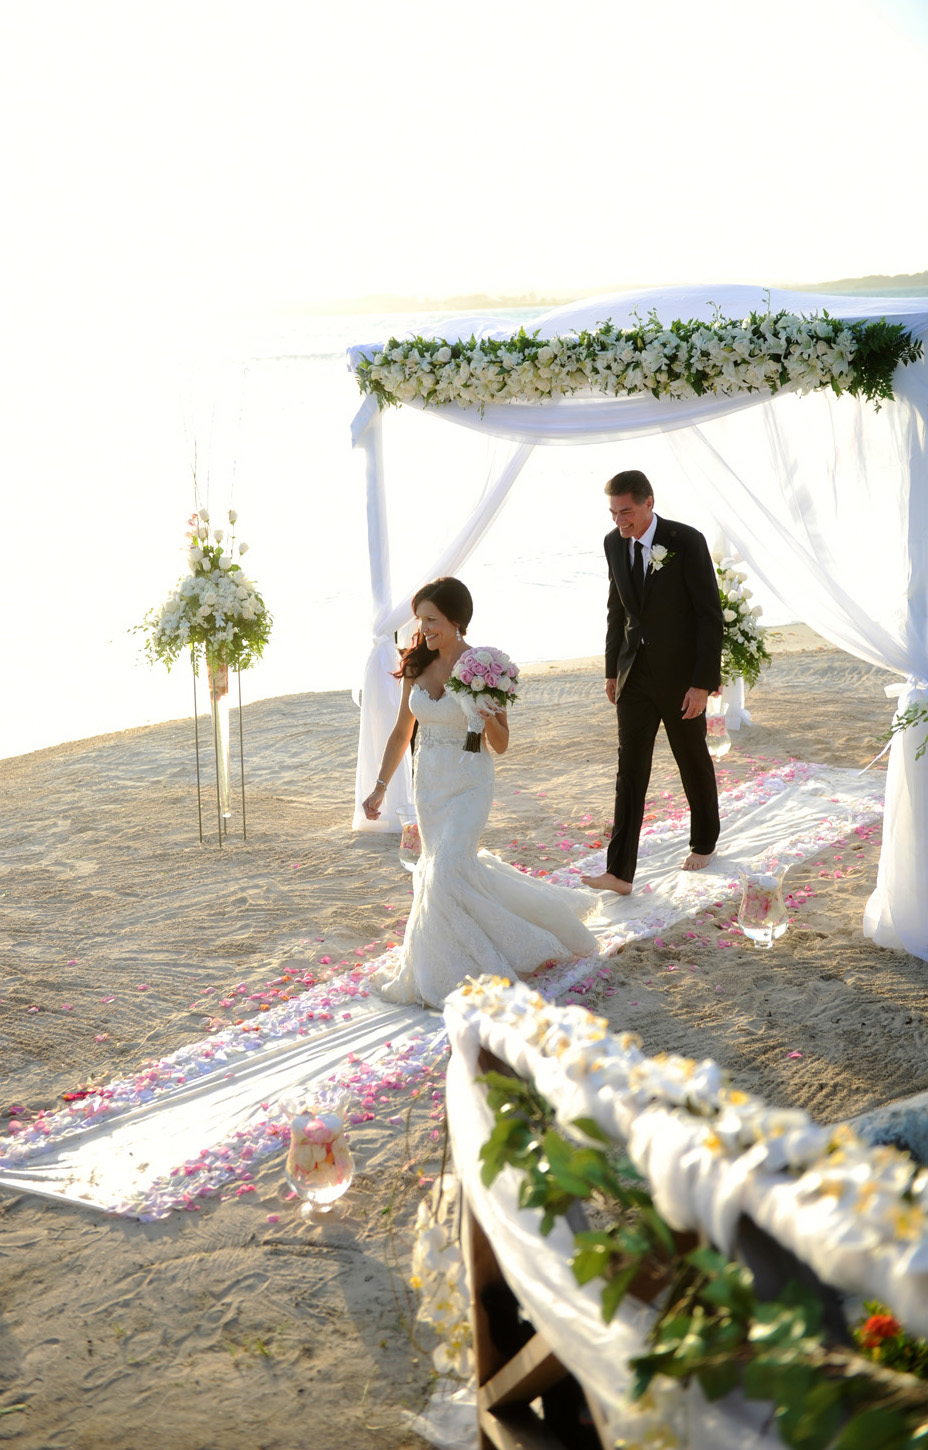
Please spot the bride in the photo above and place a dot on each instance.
(471, 913)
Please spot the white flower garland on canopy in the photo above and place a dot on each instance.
(824, 497)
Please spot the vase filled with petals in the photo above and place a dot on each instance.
(762, 914)
(319, 1163)
(410, 840)
(718, 739)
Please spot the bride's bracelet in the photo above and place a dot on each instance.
(381, 782)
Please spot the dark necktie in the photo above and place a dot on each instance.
(638, 571)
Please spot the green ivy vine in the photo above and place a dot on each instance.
(710, 1323)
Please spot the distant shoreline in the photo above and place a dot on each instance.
(782, 639)
(914, 284)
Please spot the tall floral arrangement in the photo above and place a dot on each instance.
(744, 652)
(215, 605)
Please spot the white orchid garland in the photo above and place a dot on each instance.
(440, 1278)
(744, 652)
(765, 351)
(215, 605)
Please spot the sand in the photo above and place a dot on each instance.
(121, 935)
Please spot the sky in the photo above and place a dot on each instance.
(161, 159)
(169, 166)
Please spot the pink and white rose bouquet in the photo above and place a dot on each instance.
(484, 679)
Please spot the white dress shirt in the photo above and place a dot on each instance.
(646, 540)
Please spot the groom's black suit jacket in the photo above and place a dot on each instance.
(680, 618)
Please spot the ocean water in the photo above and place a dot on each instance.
(101, 458)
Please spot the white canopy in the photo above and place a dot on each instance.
(824, 497)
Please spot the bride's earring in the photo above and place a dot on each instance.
(457, 632)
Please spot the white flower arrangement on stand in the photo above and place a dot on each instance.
(744, 653)
(217, 609)
(215, 606)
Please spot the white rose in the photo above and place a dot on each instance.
(247, 612)
(225, 561)
(728, 615)
(757, 610)
(217, 535)
(232, 516)
(478, 683)
(443, 355)
(483, 655)
(204, 515)
(243, 548)
(202, 532)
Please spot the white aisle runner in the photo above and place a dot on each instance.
(198, 1120)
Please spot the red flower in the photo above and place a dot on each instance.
(877, 1328)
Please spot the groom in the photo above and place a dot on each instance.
(663, 659)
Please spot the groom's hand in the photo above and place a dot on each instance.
(610, 691)
(694, 702)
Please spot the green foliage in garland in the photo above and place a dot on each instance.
(905, 720)
(710, 1326)
(763, 352)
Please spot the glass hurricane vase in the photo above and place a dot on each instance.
(717, 737)
(218, 677)
(319, 1163)
(762, 914)
(410, 841)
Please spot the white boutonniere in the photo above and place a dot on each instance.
(659, 557)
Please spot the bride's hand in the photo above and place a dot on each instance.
(371, 806)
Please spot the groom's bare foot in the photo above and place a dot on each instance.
(696, 862)
(608, 882)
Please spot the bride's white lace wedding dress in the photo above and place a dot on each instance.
(471, 913)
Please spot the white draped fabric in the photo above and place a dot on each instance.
(825, 498)
(380, 692)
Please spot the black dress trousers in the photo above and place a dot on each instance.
(643, 706)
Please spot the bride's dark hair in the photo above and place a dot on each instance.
(453, 600)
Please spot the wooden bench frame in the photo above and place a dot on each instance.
(507, 1387)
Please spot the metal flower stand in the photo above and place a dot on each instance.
(218, 679)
